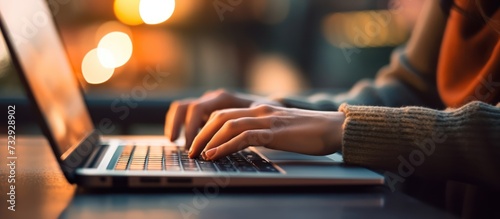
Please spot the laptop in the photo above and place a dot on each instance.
(92, 160)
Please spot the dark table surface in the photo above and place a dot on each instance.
(43, 192)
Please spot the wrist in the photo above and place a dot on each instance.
(336, 130)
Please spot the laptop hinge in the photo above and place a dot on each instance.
(96, 156)
(80, 155)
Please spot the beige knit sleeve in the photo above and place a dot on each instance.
(460, 144)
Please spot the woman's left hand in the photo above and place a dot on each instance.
(295, 130)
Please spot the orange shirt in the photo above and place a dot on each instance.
(469, 60)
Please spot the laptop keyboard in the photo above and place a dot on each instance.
(162, 158)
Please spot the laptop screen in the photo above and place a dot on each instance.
(36, 47)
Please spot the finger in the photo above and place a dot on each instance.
(261, 110)
(228, 131)
(236, 144)
(234, 127)
(193, 121)
(198, 114)
(213, 125)
(175, 118)
(170, 115)
(209, 93)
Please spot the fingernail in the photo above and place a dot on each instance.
(210, 153)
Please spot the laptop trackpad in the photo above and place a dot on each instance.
(274, 155)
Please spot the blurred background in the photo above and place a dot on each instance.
(142, 54)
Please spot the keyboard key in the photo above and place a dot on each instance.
(247, 169)
(173, 168)
(124, 158)
(154, 168)
(121, 167)
(190, 166)
(136, 168)
(261, 163)
(206, 165)
(269, 169)
(157, 158)
(222, 160)
(227, 169)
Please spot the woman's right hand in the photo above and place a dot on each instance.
(194, 113)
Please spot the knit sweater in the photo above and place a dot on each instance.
(378, 128)
(411, 122)
(460, 144)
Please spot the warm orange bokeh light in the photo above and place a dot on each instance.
(114, 49)
(362, 29)
(156, 11)
(92, 69)
(127, 11)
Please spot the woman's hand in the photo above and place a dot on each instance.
(193, 113)
(302, 131)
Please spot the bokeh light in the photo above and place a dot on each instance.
(127, 11)
(156, 11)
(267, 69)
(364, 29)
(92, 69)
(114, 49)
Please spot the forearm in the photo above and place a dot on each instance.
(461, 144)
(389, 92)
(409, 79)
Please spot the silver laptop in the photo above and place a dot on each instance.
(91, 160)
